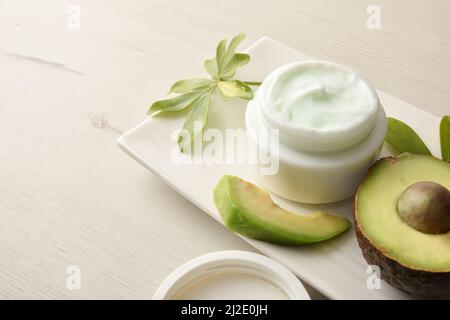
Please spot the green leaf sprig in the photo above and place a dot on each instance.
(444, 129)
(195, 93)
(403, 138)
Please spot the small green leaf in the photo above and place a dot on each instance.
(445, 138)
(210, 66)
(224, 65)
(174, 104)
(403, 139)
(238, 60)
(195, 121)
(232, 48)
(183, 86)
(220, 53)
(234, 89)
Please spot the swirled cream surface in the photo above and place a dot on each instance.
(317, 105)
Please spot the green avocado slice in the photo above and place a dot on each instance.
(249, 211)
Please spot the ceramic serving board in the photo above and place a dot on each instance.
(335, 267)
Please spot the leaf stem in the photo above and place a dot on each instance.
(252, 83)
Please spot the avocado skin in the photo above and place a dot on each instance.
(418, 283)
(236, 220)
(239, 220)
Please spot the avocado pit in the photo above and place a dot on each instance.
(425, 206)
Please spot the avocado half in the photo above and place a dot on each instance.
(413, 261)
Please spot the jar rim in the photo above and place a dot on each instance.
(314, 139)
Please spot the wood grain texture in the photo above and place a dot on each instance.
(68, 195)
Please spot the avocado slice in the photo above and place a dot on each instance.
(411, 259)
(249, 211)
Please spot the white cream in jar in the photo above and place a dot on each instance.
(331, 127)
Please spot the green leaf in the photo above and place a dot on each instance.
(210, 66)
(195, 121)
(183, 86)
(174, 104)
(403, 139)
(238, 60)
(226, 62)
(232, 48)
(445, 138)
(220, 53)
(234, 89)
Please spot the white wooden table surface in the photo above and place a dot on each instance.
(69, 196)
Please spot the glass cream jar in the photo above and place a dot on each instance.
(331, 127)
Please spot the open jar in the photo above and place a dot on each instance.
(330, 128)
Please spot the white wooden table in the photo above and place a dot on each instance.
(69, 196)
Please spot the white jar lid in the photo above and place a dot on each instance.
(340, 106)
(226, 275)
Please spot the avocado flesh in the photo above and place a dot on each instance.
(377, 216)
(249, 211)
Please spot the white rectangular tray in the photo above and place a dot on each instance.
(335, 267)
